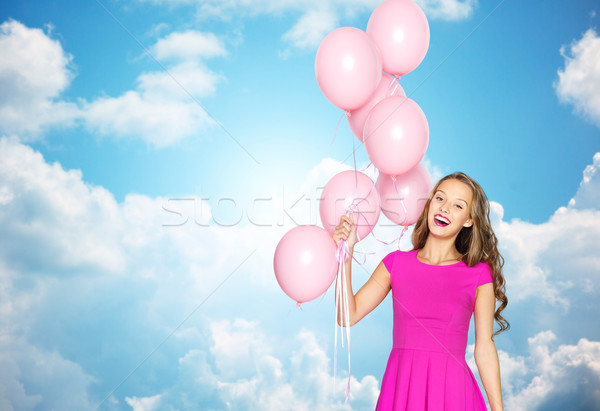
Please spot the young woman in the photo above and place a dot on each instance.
(453, 272)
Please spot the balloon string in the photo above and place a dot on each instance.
(371, 230)
(355, 169)
(338, 125)
(367, 167)
(354, 208)
(400, 197)
(401, 234)
(337, 299)
(394, 82)
(341, 301)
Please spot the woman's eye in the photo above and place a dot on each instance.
(439, 198)
(459, 206)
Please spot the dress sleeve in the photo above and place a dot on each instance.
(485, 276)
(389, 259)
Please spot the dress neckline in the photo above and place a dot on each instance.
(434, 265)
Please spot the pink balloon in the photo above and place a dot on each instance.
(401, 31)
(305, 262)
(411, 189)
(396, 135)
(388, 87)
(348, 67)
(350, 191)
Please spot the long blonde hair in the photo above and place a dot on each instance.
(476, 243)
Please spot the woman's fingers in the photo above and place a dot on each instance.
(345, 229)
(348, 221)
(342, 231)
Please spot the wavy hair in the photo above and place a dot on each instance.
(475, 243)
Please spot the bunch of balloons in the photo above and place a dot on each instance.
(359, 72)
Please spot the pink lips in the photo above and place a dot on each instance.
(438, 217)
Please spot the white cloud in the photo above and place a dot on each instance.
(442, 9)
(164, 108)
(452, 10)
(566, 377)
(316, 18)
(34, 71)
(588, 193)
(434, 171)
(297, 377)
(104, 282)
(579, 81)
(133, 115)
(513, 370)
(183, 80)
(71, 257)
(299, 381)
(127, 273)
(144, 403)
(34, 378)
(545, 260)
(549, 377)
(235, 346)
(51, 218)
(57, 228)
(188, 45)
(311, 29)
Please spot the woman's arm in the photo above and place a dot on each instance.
(373, 291)
(486, 355)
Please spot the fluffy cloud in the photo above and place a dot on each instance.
(442, 9)
(51, 218)
(448, 9)
(311, 28)
(316, 18)
(144, 403)
(104, 282)
(34, 71)
(163, 109)
(139, 116)
(89, 286)
(550, 376)
(84, 274)
(188, 45)
(249, 375)
(566, 377)
(34, 378)
(579, 80)
(588, 193)
(548, 259)
(295, 379)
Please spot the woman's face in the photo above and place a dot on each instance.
(449, 209)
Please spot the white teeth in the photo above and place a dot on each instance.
(442, 220)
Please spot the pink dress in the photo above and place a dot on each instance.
(433, 305)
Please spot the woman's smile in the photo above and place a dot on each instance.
(440, 220)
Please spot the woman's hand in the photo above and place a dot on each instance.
(346, 231)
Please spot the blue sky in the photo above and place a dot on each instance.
(138, 234)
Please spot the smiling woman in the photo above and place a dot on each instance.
(453, 272)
